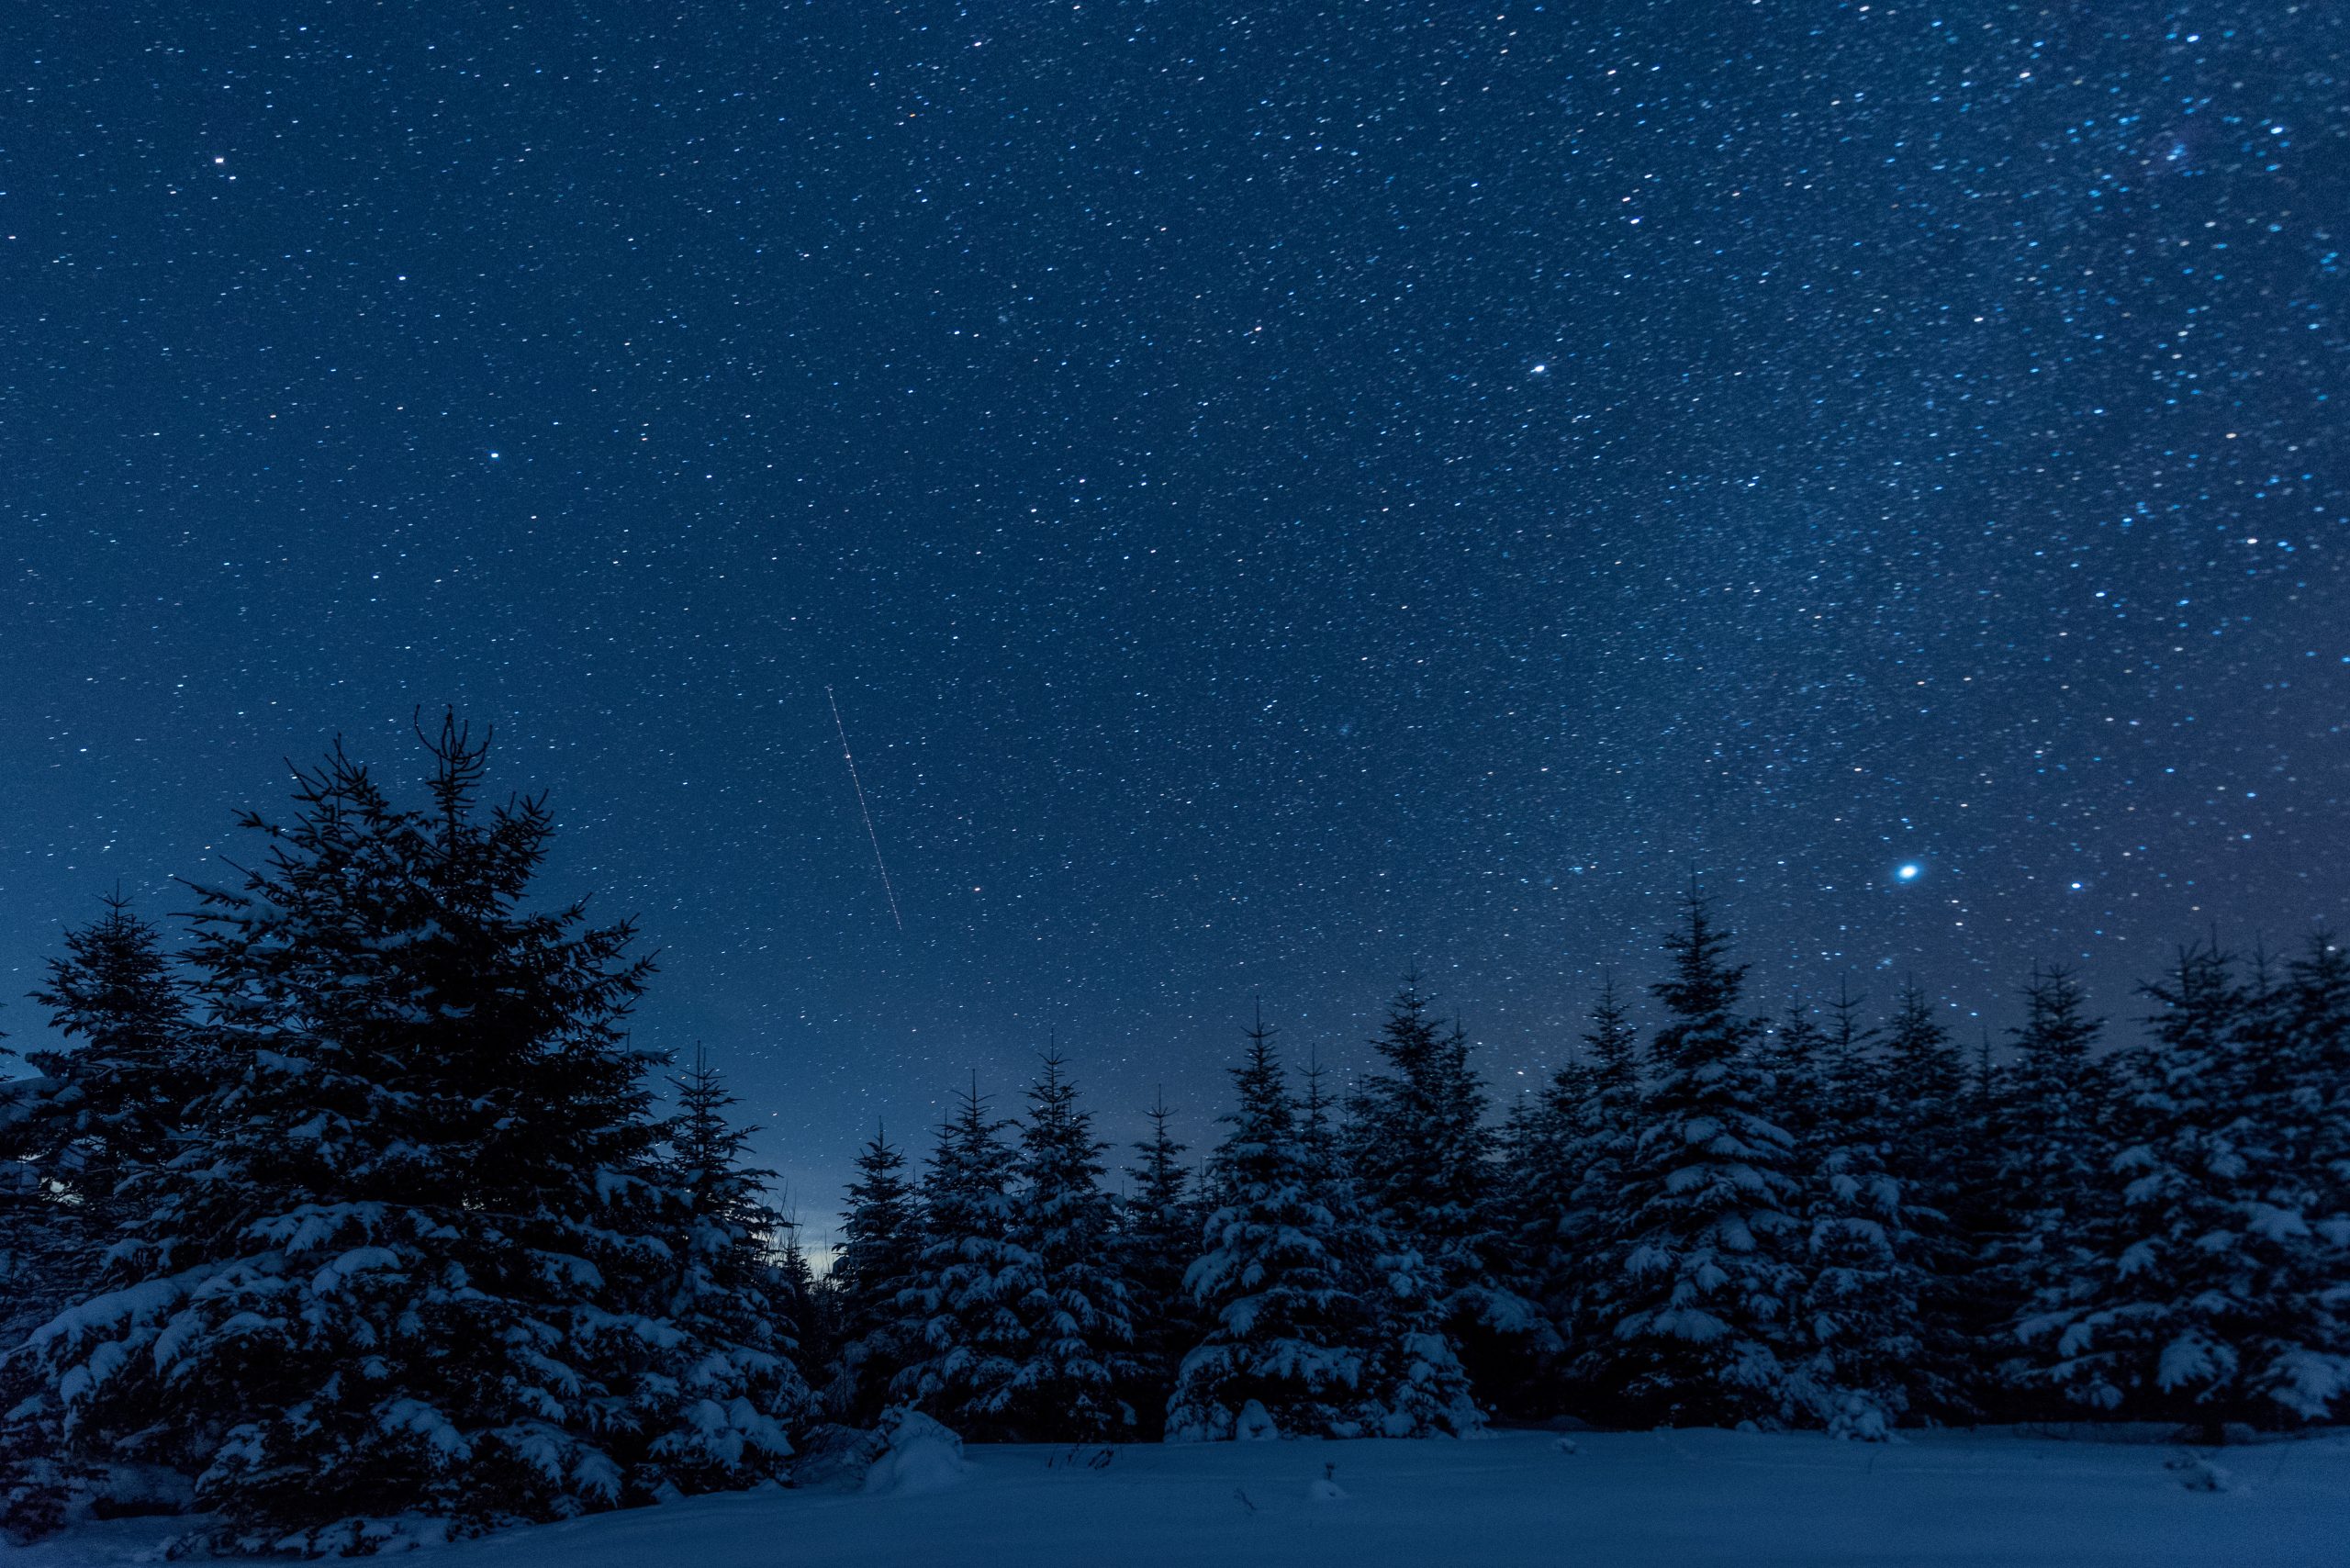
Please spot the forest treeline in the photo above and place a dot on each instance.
(356, 1219)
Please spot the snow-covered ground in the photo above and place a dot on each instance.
(1664, 1499)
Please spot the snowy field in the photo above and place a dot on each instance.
(1664, 1499)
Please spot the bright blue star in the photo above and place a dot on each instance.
(1909, 871)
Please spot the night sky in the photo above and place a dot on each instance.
(1281, 497)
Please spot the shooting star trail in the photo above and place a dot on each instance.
(864, 810)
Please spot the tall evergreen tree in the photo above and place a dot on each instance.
(1920, 1085)
(1697, 1282)
(409, 1263)
(2054, 1208)
(2310, 1038)
(1424, 1168)
(1535, 1190)
(1795, 1052)
(1858, 1323)
(1416, 1383)
(1566, 1155)
(808, 1315)
(2191, 1303)
(1422, 1158)
(133, 1068)
(1066, 1287)
(1602, 1113)
(105, 1106)
(880, 1256)
(1922, 1094)
(1288, 1332)
(45, 1238)
(44, 1246)
(728, 1294)
(965, 1288)
(1158, 1232)
(2308, 1028)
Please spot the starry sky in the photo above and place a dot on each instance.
(1280, 496)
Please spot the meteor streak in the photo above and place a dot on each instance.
(864, 810)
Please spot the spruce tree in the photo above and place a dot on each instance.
(1920, 1083)
(1696, 1283)
(45, 1240)
(1567, 1152)
(134, 1066)
(1858, 1333)
(1794, 1051)
(1422, 1158)
(1065, 1286)
(1920, 1086)
(2309, 1034)
(2308, 1025)
(408, 1260)
(809, 1317)
(45, 1247)
(1158, 1232)
(1603, 1112)
(968, 1333)
(1534, 1188)
(105, 1107)
(2192, 1304)
(728, 1295)
(2057, 1210)
(1422, 1163)
(1288, 1331)
(880, 1254)
(1415, 1386)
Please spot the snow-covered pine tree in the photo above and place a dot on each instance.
(1795, 1050)
(42, 1249)
(1064, 1283)
(45, 1246)
(1321, 1139)
(1600, 1112)
(2057, 1210)
(1850, 1075)
(1422, 1160)
(2195, 1307)
(106, 1105)
(1535, 1185)
(1922, 1097)
(1920, 1082)
(404, 1265)
(1158, 1231)
(1857, 1320)
(1417, 1146)
(968, 1337)
(105, 1108)
(135, 1064)
(881, 1253)
(807, 1311)
(726, 1294)
(1416, 1384)
(45, 1240)
(2309, 1029)
(1697, 1281)
(2308, 1113)
(1288, 1332)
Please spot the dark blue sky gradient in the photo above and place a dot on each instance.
(1281, 497)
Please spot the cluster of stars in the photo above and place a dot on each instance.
(1283, 500)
